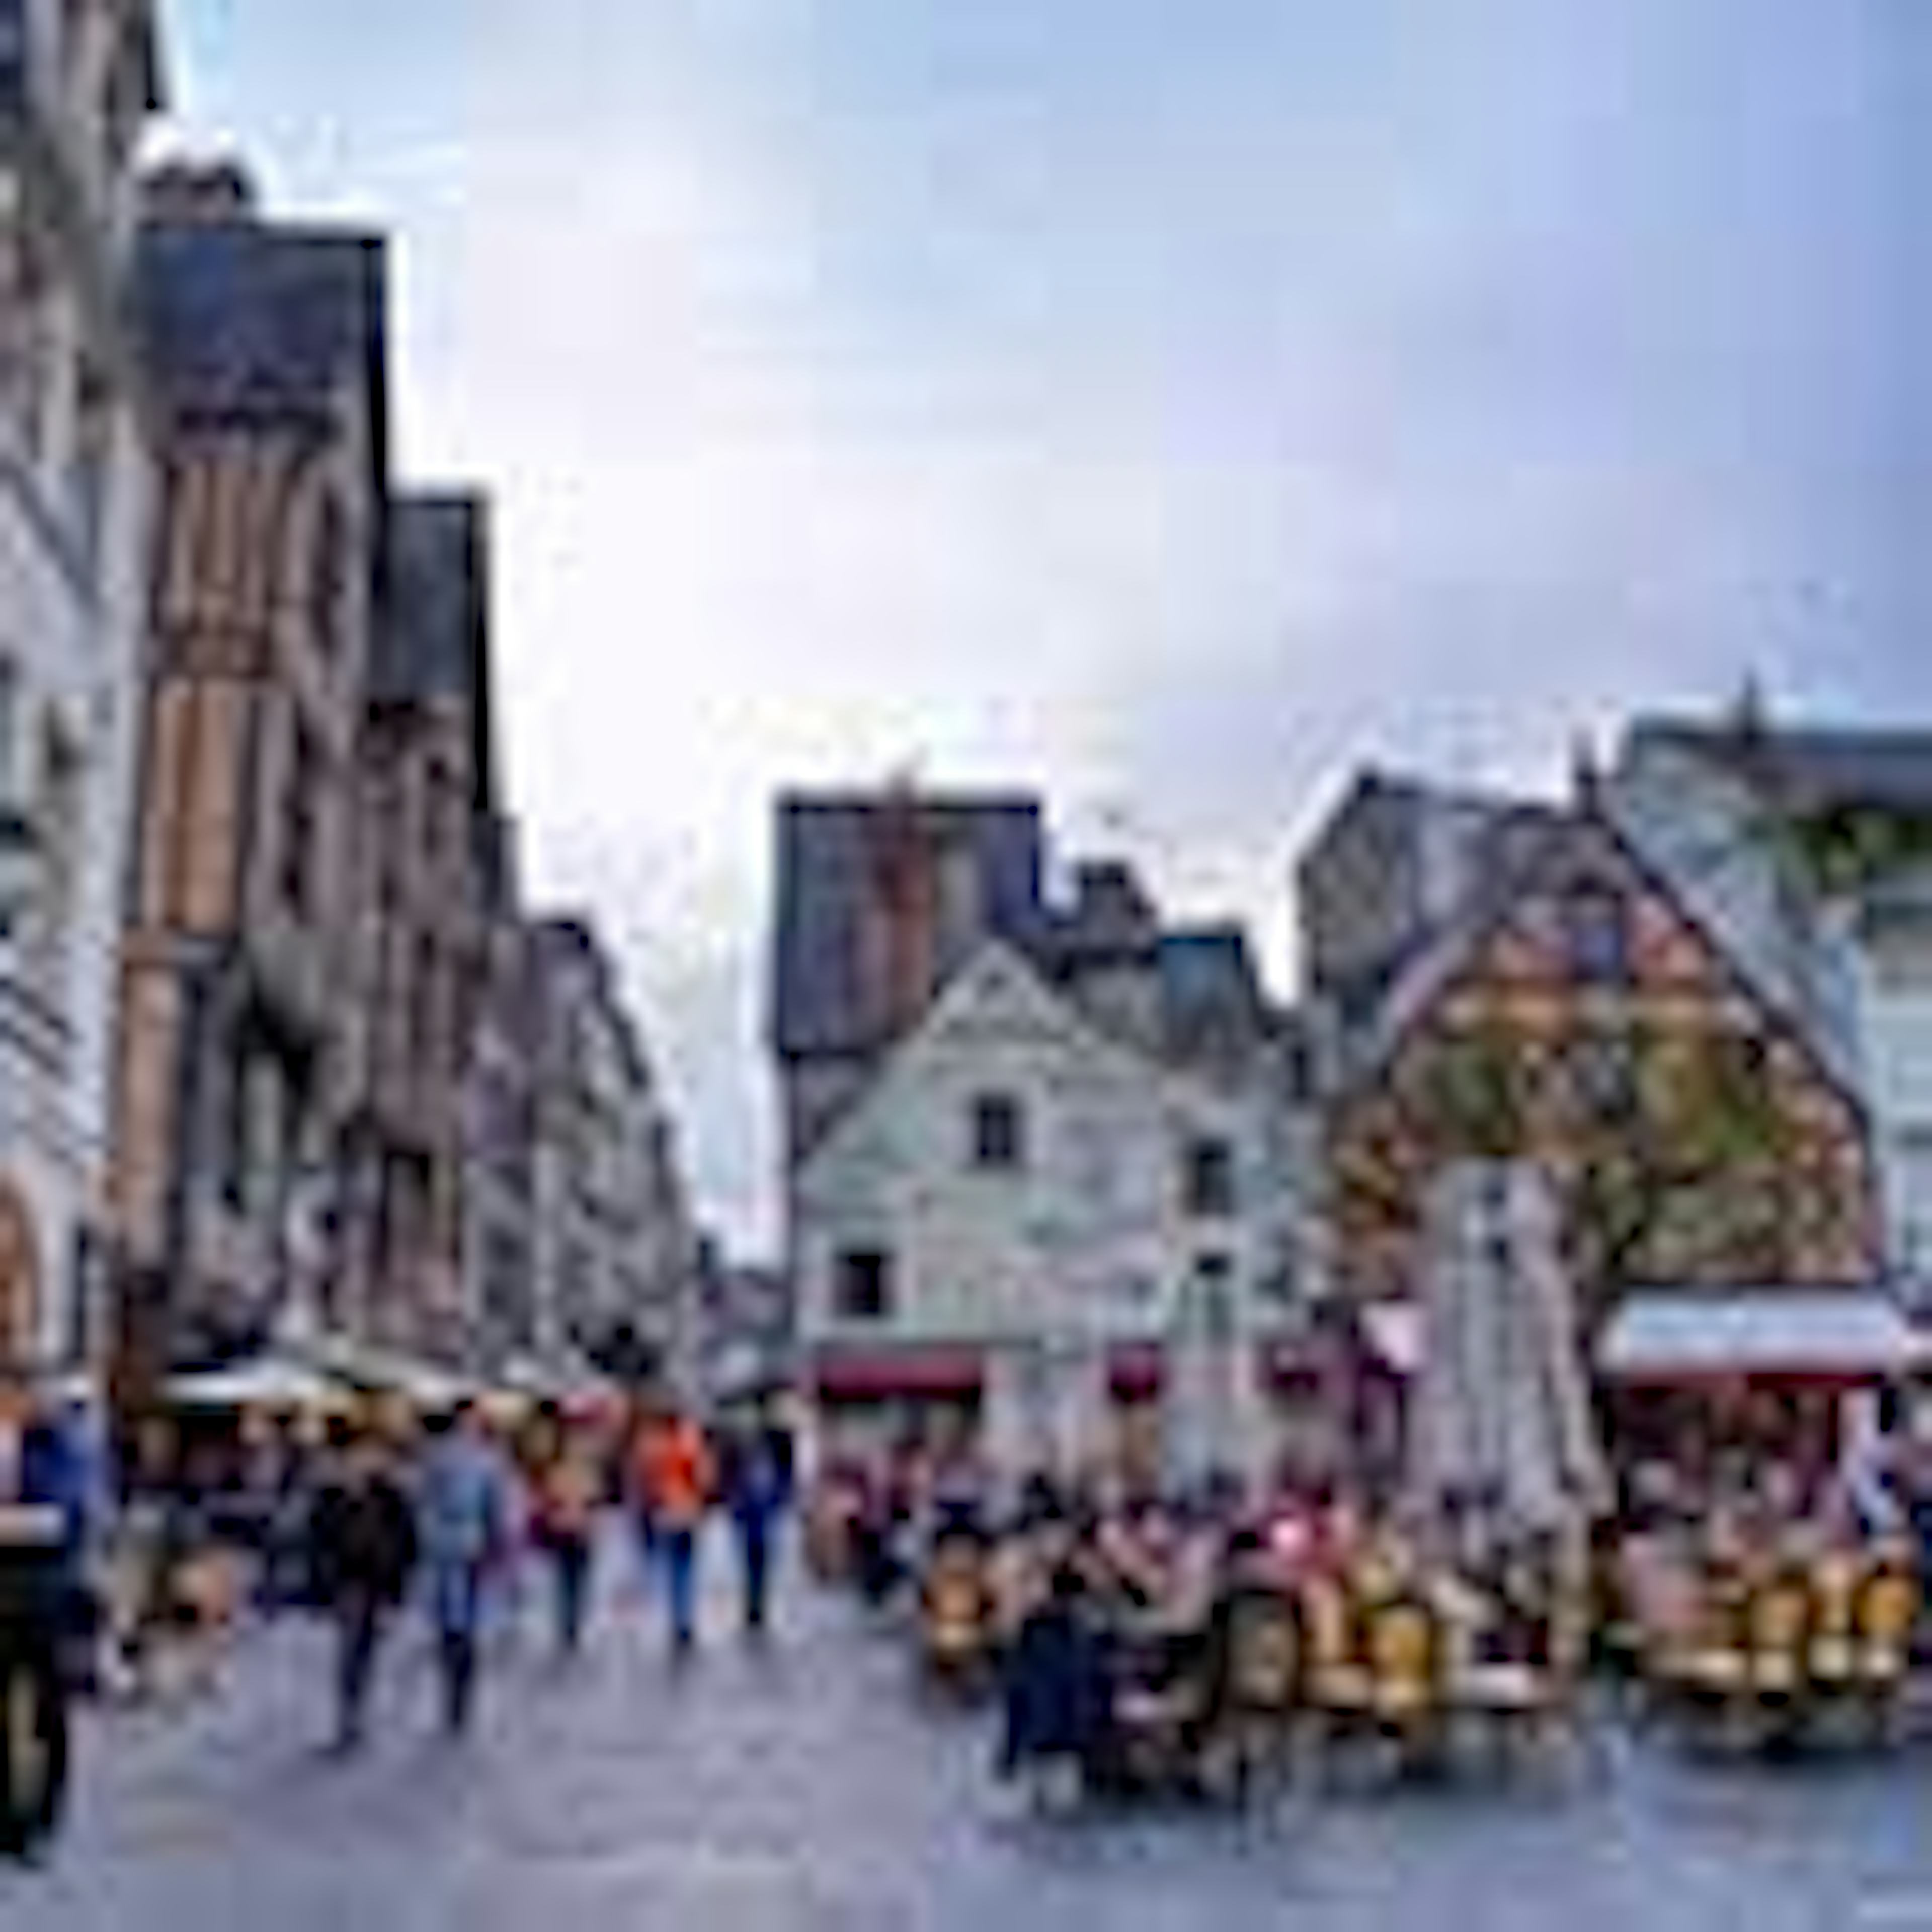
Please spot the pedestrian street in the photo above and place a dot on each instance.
(808, 1785)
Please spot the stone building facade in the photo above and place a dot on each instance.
(77, 83)
(614, 1245)
(1041, 1145)
(425, 806)
(266, 344)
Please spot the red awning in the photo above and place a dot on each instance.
(931, 1371)
(1136, 1371)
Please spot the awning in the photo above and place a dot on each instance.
(267, 1382)
(914, 1371)
(1843, 1335)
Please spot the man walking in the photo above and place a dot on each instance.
(364, 1538)
(462, 1503)
(679, 1479)
(757, 1487)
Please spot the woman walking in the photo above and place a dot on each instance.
(567, 1486)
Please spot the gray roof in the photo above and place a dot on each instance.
(828, 883)
(1814, 769)
(243, 317)
(1210, 993)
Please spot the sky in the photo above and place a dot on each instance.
(1170, 404)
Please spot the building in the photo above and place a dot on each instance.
(1810, 850)
(499, 1145)
(1577, 1012)
(1035, 1140)
(266, 345)
(746, 1341)
(77, 84)
(613, 1242)
(1396, 864)
(426, 806)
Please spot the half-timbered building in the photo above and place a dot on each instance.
(1577, 1013)
(266, 343)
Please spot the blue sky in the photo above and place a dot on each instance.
(1172, 406)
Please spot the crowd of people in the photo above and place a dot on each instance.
(1112, 1581)
(143, 1562)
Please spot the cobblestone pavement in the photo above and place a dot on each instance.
(807, 1789)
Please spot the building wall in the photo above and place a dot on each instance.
(74, 491)
(235, 1054)
(1714, 1145)
(1858, 972)
(1092, 1239)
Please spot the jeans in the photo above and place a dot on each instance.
(680, 1550)
(756, 1537)
(33, 1786)
(359, 1625)
(457, 1594)
(570, 1568)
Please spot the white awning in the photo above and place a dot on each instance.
(1663, 1335)
(269, 1382)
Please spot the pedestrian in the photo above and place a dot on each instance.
(649, 1425)
(758, 1489)
(40, 1543)
(463, 1507)
(567, 1485)
(364, 1546)
(680, 1477)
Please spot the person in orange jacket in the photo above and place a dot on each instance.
(679, 1479)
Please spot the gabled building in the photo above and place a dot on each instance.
(919, 937)
(1809, 849)
(1022, 1210)
(266, 344)
(425, 811)
(77, 84)
(1576, 1011)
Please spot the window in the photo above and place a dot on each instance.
(862, 1289)
(999, 1134)
(325, 576)
(1604, 1077)
(61, 833)
(298, 822)
(1597, 936)
(1214, 1296)
(1208, 1178)
(232, 1126)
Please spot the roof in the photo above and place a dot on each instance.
(830, 886)
(1668, 1334)
(1210, 992)
(1534, 842)
(1815, 769)
(243, 317)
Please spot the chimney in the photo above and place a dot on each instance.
(207, 193)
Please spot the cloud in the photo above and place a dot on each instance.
(1164, 408)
